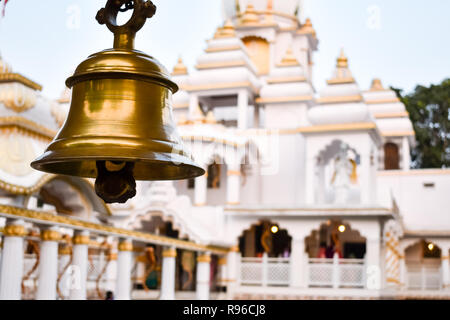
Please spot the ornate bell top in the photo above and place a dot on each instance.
(123, 60)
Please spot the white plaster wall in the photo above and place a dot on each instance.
(422, 208)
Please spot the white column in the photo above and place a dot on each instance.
(242, 109)
(222, 272)
(168, 274)
(298, 263)
(111, 271)
(193, 104)
(232, 271)
(445, 269)
(65, 253)
(48, 264)
(406, 156)
(200, 190)
(12, 261)
(373, 269)
(124, 265)
(203, 270)
(233, 184)
(78, 269)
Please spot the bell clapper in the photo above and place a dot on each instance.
(115, 181)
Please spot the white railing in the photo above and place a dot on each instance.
(265, 271)
(336, 273)
(423, 277)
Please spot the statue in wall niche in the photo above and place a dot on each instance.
(344, 173)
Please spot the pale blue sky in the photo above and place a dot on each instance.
(408, 45)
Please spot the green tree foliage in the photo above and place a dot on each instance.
(428, 109)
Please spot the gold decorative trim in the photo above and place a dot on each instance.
(13, 230)
(285, 80)
(234, 249)
(289, 60)
(202, 204)
(397, 133)
(27, 125)
(16, 77)
(169, 253)
(216, 86)
(233, 173)
(181, 106)
(391, 115)
(80, 239)
(338, 210)
(19, 190)
(206, 258)
(230, 203)
(413, 172)
(222, 261)
(341, 80)
(111, 256)
(65, 250)
(341, 99)
(284, 99)
(337, 127)
(125, 246)
(222, 49)
(41, 216)
(445, 258)
(393, 280)
(50, 235)
(217, 65)
(382, 101)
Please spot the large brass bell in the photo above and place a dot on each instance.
(120, 126)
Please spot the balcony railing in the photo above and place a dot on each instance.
(336, 273)
(265, 271)
(423, 277)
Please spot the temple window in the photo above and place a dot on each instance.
(391, 156)
(214, 171)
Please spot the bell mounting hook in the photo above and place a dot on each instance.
(124, 35)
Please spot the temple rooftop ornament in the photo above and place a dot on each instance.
(120, 126)
(180, 68)
(289, 59)
(376, 85)
(250, 17)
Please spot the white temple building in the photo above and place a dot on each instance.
(308, 195)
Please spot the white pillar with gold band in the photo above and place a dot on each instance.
(168, 274)
(200, 189)
(124, 265)
(233, 183)
(232, 270)
(12, 260)
(78, 269)
(203, 270)
(48, 264)
(445, 268)
(222, 272)
(402, 272)
(65, 254)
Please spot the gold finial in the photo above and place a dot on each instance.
(210, 119)
(269, 5)
(180, 68)
(342, 61)
(307, 28)
(289, 59)
(376, 85)
(250, 16)
(227, 31)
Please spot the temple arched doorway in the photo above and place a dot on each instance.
(265, 237)
(423, 265)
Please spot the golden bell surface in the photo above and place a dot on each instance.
(120, 126)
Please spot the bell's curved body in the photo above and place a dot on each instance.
(120, 112)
